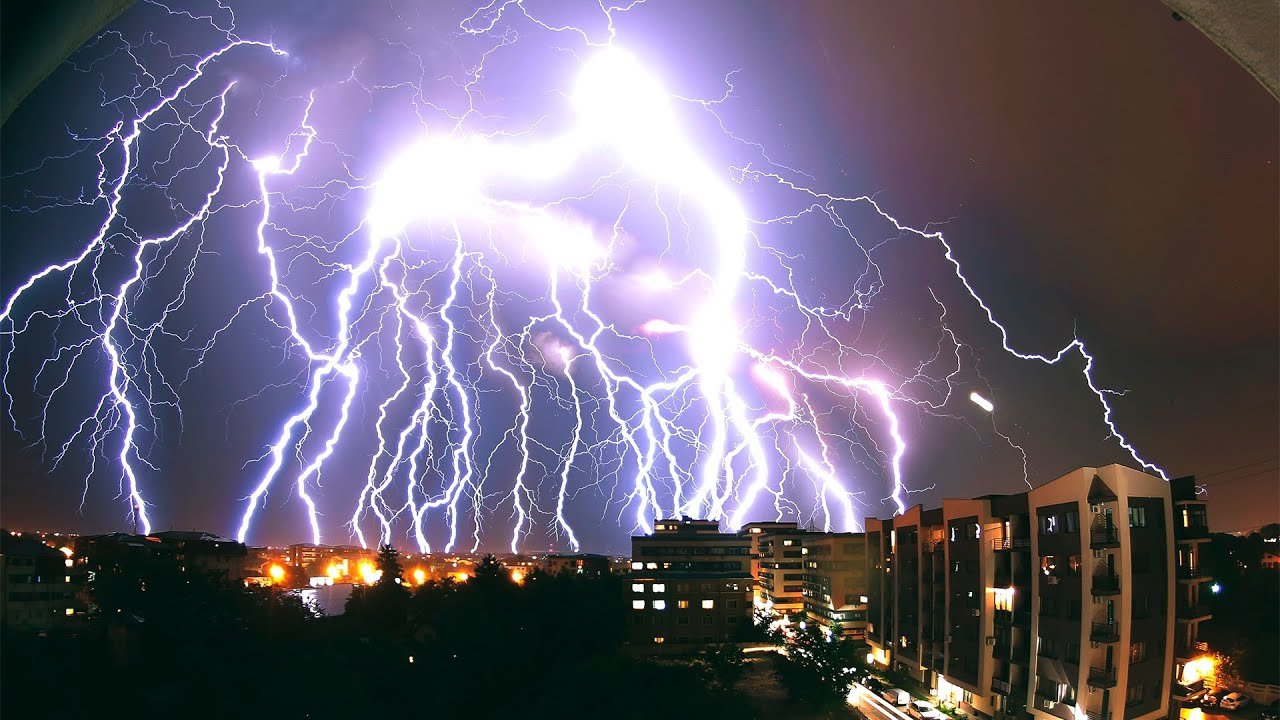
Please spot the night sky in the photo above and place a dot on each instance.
(1097, 169)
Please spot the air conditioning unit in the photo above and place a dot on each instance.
(1097, 554)
(991, 640)
(1093, 645)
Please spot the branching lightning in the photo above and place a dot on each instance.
(470, 343)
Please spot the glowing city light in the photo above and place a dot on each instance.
(419, 576)
(475, 269)
(276, 573)
(1215, 588)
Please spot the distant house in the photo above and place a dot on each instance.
(1270, 561)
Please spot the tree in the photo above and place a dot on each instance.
(723, 664)
(389, 563)
(819, 665)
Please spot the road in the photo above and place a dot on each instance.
(874, 706)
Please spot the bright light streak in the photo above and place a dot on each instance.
(981, 402)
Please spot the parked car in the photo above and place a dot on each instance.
(896, 696)
(920, 709)
(874, 684)
(1234, 701)
(1210, 699)
(1271, 711)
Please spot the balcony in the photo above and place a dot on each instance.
(1193, 574)
(1002, 617)
(1104, 537)
(1191, 532)
(1194, 612)
(1106, 584)
(1102, 677)
(1104, 715)
(1001, 687)
(1104, 633)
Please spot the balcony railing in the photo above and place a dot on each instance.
(1191, 532)
(1194, 611)
(1106, 584)
(1192, 573)
(1103, 537)
(1102, 677)
(1104, 632)
(1104, 715)
(1001, 687)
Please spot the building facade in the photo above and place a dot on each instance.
(1044, 604)
(781, 574)
(206, 552)
(689, 584)
(1194, 580)
(579, 564)
(835, 582)
(38, 584)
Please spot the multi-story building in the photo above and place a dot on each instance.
(835, 581)
(38, 583)
(1194, 580)
(1048, 603)
(206, 552)
(780, 581)
(579, 564)
(689, 584)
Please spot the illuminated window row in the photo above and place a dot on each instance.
(662, 604)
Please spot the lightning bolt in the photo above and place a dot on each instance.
(481, 273)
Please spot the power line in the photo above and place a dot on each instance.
(1238, 467)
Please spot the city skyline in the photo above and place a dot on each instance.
(1054, 225)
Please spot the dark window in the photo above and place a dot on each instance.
(1048, 606)
(1137, 651)
(1048, 524)
(1073, 653)
(1136, 694)
(707, 619)
(1137, 517)
(1071, 521)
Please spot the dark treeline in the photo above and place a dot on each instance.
(162, 643)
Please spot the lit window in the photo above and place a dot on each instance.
(788, 543)
(651, 566)
(659, 527)
(977, 530)
(659, 587)
(637, 604)
(68, 578)
(755, 531)
(637, 566)
(659, 640)
(71, 611)
(682, 604)
(637, 587)
(659, 604)
(708, 604)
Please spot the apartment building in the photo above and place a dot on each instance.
(756, 531)
(38, 584)
(781, 575)
(1044, 604)
(689, 584)
(207, 552)
(578, 564)
(1194, 581)
(835, 581)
